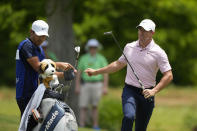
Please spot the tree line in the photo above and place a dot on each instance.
(176, 30)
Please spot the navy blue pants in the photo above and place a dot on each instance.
(135, 108)
(22, 103)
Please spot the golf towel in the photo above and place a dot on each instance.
(33, 104)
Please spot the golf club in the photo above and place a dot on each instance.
(77, 50)
(117, 43)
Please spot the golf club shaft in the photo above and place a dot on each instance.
(117, 43)
(76, 61)
(75, 66)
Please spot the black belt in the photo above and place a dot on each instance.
(137, 89)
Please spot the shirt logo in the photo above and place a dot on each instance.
(17, 80)
(17, 55)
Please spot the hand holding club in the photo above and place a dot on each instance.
(148, 93)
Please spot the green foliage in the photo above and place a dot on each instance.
(110, 114)
(176, 30)
(15, 21)
(10, 22)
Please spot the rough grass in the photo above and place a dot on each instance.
(9, 113)
(176, 109)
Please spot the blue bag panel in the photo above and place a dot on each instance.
(53, 117)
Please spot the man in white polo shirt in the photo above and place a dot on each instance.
(146, 58)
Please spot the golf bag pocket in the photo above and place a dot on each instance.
(37, 116)
(53, 117)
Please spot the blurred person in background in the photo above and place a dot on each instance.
(90, 88)
(146, 58)
(48, 54)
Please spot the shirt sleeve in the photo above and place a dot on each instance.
(163, 62)
(122, 58)
(28, 51)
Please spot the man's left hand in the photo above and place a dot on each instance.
(148, 93)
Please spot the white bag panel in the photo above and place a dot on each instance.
(67, 122)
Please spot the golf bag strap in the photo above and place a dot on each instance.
(53, 117)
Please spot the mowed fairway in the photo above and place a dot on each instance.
(176, 109)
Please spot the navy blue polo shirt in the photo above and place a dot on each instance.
(26, 76)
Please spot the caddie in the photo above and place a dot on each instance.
(28, 56)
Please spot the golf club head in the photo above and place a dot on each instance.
(77, 49)
(69, 75)
(108, 33)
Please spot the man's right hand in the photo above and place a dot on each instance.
(90, 72)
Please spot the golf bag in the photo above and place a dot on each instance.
(55, 114)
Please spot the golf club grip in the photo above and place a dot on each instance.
(150, 99)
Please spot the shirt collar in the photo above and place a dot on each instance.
(37, 47)
(149, 46)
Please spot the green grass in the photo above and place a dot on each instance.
(172, 119)
(176, 109)
(9, 112)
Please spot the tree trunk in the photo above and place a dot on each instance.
(61, 39)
